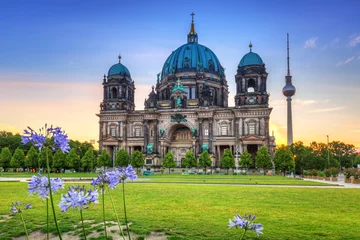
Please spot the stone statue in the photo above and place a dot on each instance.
(193, 132)
(149, 149)
(158, 77)
(178, 102)
(162, 132)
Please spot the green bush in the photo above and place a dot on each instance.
(327, 172)
(334, 171)
(321, 174)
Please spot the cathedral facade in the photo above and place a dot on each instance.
(188, 109)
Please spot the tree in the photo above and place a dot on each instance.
(245, 159)
(284, 159)
(72, 160)
(18, 159)
(87, 161)
(227, 160)
(357, 160)
(122, 158)
(190, 160)
(42, 158)
(263, 159)
(32, 158)
(104, 160)
(11, 141)
(5, 158)
(137, 160)
(59, 160)
(204, 160)
(169, 161)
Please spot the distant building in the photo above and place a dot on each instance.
(187, 109)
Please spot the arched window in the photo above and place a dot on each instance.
(114, 92)
(251, 85)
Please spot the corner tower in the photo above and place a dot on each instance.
(250, 81)
(289, 91)
(118, 89)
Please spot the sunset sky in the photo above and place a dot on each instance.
(53, 55)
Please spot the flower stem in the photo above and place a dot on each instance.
(47, 219)
(26, 232)
(126, 221)
(103, 205)
(243, 235)
(117, 217)
(82, 221)
(51, 197)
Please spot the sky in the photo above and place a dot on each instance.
(53, 55)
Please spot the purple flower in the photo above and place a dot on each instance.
(39, 139)
(18, 207)
(78, 197)
(126, 173)
(246, 223)
(39, 185)
(101, 181)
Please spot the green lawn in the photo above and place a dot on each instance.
(199, 179)
(203, 211)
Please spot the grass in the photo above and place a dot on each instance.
(194, 179)
(198, 212)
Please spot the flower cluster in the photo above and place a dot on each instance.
(39, 139)
(39, 185)
(113, 178)
(78, 197)
(246, 223)
(18, 207)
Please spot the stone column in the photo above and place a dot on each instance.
(121, 129)
(146, 134)
(267, 132)
(218, 155)
(100, 135)
(200, 134)
(107, 129)
(156, 137)
(211, 135)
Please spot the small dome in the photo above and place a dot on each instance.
(192, 57)
(119, 69)
(289, 90)
(251, 58)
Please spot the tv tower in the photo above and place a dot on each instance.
(289, 91)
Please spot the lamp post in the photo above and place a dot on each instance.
(328, 150)
(237, 159)
(114, 156)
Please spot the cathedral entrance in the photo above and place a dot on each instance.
(180, 142)
(252, 149)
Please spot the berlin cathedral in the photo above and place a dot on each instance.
(187, 109)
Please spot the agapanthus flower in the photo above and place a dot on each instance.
(101, 181)
(39, 139)
(126, 173)
(18, 207)
(246, 223)
(78, 197)
(39, 185)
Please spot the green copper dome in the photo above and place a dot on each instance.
(192, 57)
(251, 58)
(119, 69)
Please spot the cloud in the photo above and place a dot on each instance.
(358, 130)
(354, 41)
(333, 44)
(322, 110)
(311, 42)
(346, 61)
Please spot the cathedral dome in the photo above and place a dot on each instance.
(119, 69)
(192, 57)
(251, 58)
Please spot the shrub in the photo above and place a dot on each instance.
(327, 172)
(306, 173)
(348, 172)
(334, 171)
(320, 174)
(313, 172)
(356, 174)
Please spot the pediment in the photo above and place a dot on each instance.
(110, 139)
(252, 138)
